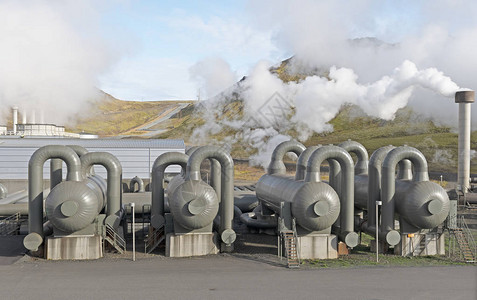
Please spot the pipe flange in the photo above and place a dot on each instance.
(69, 208)
(228, 236)
(434, 206)
(321, 208)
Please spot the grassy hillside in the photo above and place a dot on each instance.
(113, 117)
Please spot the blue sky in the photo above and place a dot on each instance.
(163, 39)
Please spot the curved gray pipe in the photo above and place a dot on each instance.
(114, 190)
(214, 172)
(302, 162)
(276, 165)
(227, 234)
(157, 182)
(250, 219)
(404, 170)
(140, 185)
(56, 166)
(388, 183)
(35, 187)
(56, 172)
(361, 166)
(339, 154)
(374, 194)
(374, 182)
(3, 191)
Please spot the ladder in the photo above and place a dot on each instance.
(10, 225)
(154, 239)
(465, 241)
(114, 239)
(290, 240)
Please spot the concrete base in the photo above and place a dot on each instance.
(421, 244)
(319, 246)
(74, 247)
(191, 244)
(383, 246)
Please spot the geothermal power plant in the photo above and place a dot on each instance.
(76, 197)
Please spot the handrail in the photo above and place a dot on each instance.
(469, 237)
(151, 240)
(10, 224)
(117, 239)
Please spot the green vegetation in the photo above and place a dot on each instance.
(113, 117)
(362, 256)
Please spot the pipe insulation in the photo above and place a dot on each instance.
(374, 181)
(361, 166)
(227, 234)
(388, 184)
(346, 229)
(314, 205)
(56, 166)
(194, 204)
(140, 185)
(35, 187)
(157, 182)
(277, 166)
(114, 182)
(465, 99)
(72, 206)
(214, 172)
(302, 162)
(3, 191)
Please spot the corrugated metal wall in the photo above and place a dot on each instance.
(136, 161)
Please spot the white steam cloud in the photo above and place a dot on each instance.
(214, 75)
(375, 59)
(51, 54)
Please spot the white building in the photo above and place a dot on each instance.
(136, 155)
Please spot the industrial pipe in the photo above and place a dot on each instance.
(140, 185)
(214, 172)
(10, 209)
(388, 183)
(276, 165)
(374, 194)
(194, 204)
(35, 187)
(465, 99)
(314, 205)
(374, 182)
(3, 191)
(361, 166)
(56, 166)
(114, 182)
(302, 162)
(157, 183)
(227, 234)
(346, 230)
(404, 170)
(251, 220)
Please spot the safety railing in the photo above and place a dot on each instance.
(10, 225)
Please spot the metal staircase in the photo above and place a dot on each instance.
(290, 240)
(154, 239)
(10, 225)
(465, 241)
(114, 239)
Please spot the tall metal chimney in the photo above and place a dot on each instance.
(15, 119)
(24, 116)
(464, 98)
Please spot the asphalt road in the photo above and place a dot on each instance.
(227, 277)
